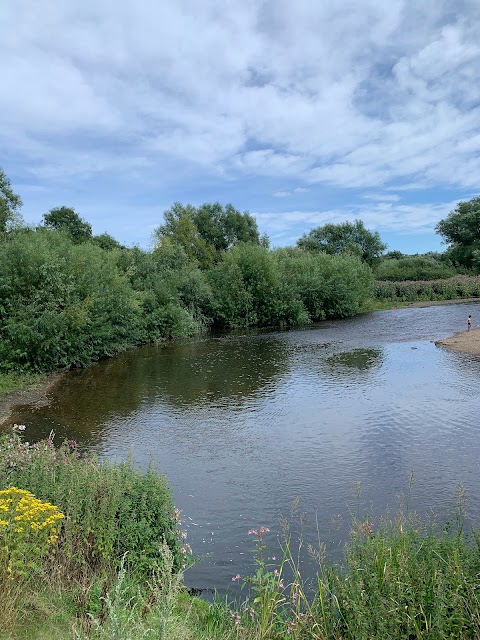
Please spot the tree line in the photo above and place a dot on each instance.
(68, 297)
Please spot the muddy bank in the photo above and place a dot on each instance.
(35, 395)
(465, 342)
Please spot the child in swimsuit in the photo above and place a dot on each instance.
(469, 322)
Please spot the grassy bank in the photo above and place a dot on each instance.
(95, 551)
(20, 381)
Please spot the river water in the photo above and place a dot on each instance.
(244, 424)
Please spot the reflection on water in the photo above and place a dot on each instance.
(351, 362)
(244, 424)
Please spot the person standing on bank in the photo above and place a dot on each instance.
(469, 322)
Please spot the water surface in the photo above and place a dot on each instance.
(242, 424)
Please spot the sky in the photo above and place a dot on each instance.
(302, 112)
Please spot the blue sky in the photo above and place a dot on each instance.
(301, 112)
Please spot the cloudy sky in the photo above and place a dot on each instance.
(302, 112)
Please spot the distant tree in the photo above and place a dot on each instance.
(66, 219)
(10, 203)
(106, 242)
(393, 255)
(461, 231)
(347, 237)
(207, 231)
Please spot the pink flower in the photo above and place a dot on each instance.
(237, 577)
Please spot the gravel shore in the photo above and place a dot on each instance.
(465, 342)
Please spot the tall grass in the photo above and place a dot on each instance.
(409, 291)
(401, 578)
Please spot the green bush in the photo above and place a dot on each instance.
(62, 304)
(413, 268)
(110, 509)
(329, 286)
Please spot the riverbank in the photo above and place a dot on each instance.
(33, 389)
(386, 305)
(464, 342)
(25, 388)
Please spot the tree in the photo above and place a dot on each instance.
(106, 242)
(10, 203)
(347, 237)
(208, 231)
(66, 219)
(461, 231)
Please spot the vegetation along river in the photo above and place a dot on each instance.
(242, 424)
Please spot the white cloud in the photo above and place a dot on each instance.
(282, 194)
(381, 197)
(286, 226)
(374, 95)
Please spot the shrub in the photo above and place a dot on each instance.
(28, 527)
(413, 268)
(110, 509)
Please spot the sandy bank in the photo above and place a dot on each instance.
(466, 342)
(36, 395)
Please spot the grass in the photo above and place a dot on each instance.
(20, 381)
(116, 570)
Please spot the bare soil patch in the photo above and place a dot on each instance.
(36, 395)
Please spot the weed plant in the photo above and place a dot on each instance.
(409, 291)
(401, 578)
(109, 509)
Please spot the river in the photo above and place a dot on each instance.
(244, 424)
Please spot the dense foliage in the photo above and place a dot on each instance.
(347, 237)
(207, 231)
(66, 219)
(108, 510)
(68, 298)
(426, 267)
(445, 289)
(461, 231)
(10, 203)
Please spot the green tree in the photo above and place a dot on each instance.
(208, 231)
(10, 203)
(347, 237)
(106, 242)
(66, 219)
(461, 231)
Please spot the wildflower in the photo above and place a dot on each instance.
(237, 577)
(237, 617)
(258, 532)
